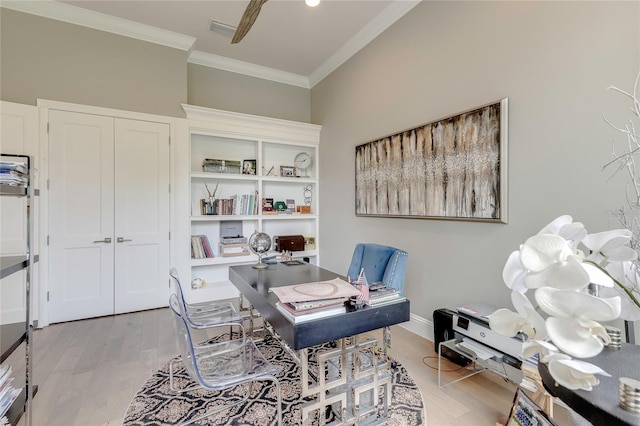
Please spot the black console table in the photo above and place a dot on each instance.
(601, 405)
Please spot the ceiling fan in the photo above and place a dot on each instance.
(248, 18)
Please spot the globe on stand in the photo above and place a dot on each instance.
(259, 243)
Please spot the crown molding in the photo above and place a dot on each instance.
(75, 15)
(380, 23)
(246, 68)
(235, 124)
(100, 21)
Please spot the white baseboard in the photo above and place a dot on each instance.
(420, 326)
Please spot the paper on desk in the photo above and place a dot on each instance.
(332, 289)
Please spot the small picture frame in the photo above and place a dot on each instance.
(249, 167)
(287, 171)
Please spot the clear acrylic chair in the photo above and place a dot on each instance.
(221, 365)
(207, 314)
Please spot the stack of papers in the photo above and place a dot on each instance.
(309, 301)
(297, 317)
(8, 393)
(384, 295)
(332, 289)
(13, 173)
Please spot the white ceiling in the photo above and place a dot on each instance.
(289, 42)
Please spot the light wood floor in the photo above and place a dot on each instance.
(88, 371)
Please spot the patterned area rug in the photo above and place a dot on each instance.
(155, 404)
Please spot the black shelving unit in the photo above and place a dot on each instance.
(15, 334)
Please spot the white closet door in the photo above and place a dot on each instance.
(81, 243)
(142, 215)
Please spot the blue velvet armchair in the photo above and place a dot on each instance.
(380, 263)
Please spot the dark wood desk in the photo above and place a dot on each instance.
(357, 378)
(254, 284)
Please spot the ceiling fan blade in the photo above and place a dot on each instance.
(248, 18)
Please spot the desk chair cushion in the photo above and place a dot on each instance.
(381, 263)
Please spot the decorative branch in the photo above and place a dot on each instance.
(625, 158)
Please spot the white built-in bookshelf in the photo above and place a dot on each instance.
(271, 147)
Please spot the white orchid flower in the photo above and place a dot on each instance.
(556, 225)
(564, 226)
(573, 323)
(629, 275)
(526, 320)
(574, 374)
(553, 263)
(541, 347)
(610, 246)
(514, 273)
(598, 276)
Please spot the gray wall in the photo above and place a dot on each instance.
(213, 88)
(554, 60)
(48, 59)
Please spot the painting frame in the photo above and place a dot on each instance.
(454, 168)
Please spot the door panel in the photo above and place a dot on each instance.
(81, 214)
(142, 215)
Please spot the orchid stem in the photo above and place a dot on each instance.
(624, 288)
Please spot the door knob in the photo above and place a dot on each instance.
(122, 239)
(106, 240)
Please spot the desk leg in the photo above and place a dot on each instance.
(250, 314)
(349, 379)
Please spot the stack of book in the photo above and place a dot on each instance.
(298, 312)
(313, 300)
(8, 393)
(200, 247)
(383, 295)
(238, 205)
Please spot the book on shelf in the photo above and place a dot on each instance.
(310, 314)
(238, 205)
(200, 247)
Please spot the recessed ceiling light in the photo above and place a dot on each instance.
(312, 3)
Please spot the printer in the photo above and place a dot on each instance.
(494, 351)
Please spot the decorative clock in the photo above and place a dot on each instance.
(303, 162)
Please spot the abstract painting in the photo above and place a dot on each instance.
(454, 168)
